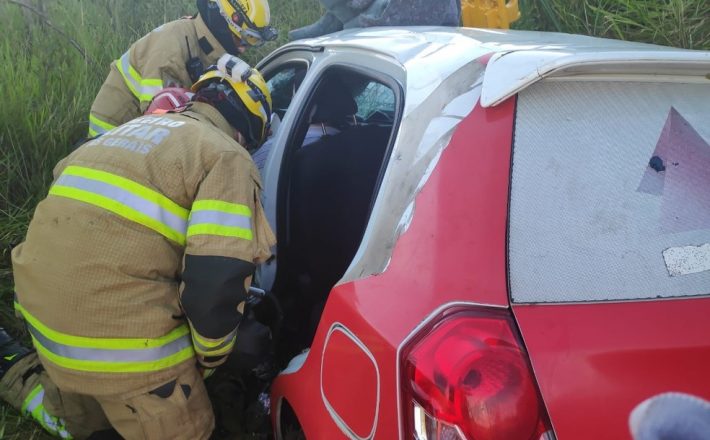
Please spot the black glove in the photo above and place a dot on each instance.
(253, 346)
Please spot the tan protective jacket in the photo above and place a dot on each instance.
(97, 278)
(155, 61)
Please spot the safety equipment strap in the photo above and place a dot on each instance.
(142, 88)
(109, 355)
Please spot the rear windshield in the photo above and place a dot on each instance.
(610, 196)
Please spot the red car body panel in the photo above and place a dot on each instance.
(595, 362)
(440, 259)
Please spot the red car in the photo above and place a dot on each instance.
(486, 234)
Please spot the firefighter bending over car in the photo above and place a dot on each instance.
(174, 55)
(135, 268)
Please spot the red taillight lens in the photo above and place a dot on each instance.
(467, 376)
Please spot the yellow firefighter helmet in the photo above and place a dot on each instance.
(248, 20)
(245, 104)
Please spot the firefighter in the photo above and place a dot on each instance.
(173, 55)
(135, 269)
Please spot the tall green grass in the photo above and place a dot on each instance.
(16, 427)
(678, 23)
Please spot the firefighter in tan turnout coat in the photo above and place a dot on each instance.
(173, 55)
(135, 268)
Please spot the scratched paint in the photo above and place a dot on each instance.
(685, 260)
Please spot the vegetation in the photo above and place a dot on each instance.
(679, 23)
(55, 55)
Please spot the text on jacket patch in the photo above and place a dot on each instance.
(140, 135)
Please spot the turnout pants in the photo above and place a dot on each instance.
(178, 409)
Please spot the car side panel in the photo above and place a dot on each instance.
(453, 251)
(595, 362)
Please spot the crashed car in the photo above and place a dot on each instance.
(507, 236)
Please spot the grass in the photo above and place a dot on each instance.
(51, 71)
(15, 427)
(678, 23)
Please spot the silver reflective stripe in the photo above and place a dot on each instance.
(117, 355)
(220, 218)
(97, 126)
(96, 129)
(227, 340)
(36, 401)
(126, 198)
(54, 424)
(140, 89)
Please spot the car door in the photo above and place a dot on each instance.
(284, 72)
(319, 61)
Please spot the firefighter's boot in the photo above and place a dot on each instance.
(11, 351)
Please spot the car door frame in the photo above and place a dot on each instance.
(320, 60)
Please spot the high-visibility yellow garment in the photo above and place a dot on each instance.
(210, 347)
(155, 61)
(33, 407)
(178, 409)
(28, 389)
(97, 278)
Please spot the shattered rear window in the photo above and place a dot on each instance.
(610, 196)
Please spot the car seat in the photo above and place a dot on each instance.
(332, 189)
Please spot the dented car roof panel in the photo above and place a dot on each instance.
(520, 58)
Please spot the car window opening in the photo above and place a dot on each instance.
(283, 85)
(328, 182)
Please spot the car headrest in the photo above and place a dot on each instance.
(334, 103)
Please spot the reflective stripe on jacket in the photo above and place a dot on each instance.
(207, 347)
(142, 88)
(215, 217)
(115, 355)
(123, 197)
(33, 406)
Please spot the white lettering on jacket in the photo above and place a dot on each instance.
(140, 135)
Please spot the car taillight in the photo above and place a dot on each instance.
(466, 376)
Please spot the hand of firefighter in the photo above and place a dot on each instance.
(253, 346)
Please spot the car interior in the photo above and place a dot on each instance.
(325, 193)
(326, 189)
